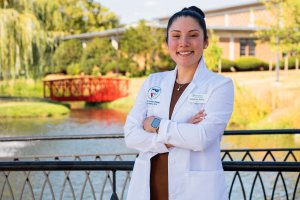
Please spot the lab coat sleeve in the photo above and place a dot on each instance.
(135, 136)
(199, 136)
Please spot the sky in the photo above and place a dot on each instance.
(130, 11)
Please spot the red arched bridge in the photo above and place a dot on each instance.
(86, 88)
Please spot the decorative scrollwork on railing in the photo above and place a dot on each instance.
(86, 88)
(87, 184)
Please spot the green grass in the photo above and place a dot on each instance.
(122, 104)
(22, 88)
(32, 109)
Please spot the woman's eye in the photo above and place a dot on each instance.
(175, 36)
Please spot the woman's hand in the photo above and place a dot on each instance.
(194, 120)
(197, 118)
(147, 125)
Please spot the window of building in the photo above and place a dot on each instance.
(243, 44)
(251, 47)
(247, 47)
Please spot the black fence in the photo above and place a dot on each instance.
(250, 173)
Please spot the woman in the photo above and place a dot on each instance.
(178, 120)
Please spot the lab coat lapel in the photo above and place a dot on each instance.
(166, 89)
(199, 76)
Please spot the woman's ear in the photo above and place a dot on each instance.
(206, 43)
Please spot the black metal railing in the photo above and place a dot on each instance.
(250, 173)
(111, 167)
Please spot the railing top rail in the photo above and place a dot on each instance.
(262, 132)
(128, 165)
(62, 156)
(119, 135)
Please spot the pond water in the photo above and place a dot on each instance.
(106, 121)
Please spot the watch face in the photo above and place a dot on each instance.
(155, 123)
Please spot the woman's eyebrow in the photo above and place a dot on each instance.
(194, 30)
(188, 31)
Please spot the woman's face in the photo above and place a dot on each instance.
(186, 42)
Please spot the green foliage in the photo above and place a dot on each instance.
(283, 31)
(22, 88)
(213, 53)
(68, 52)
(228, 65)
(143, 42)
(73, 69)
(130, 66)
(164, 62)
(99, 53)
(32, 109)
(291, 63)
(22, 44)
(250, 64)
(247, 109)
(29, 32)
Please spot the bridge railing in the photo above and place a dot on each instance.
(250, 173)
(86, 88)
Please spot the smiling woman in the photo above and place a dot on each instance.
(178, 120)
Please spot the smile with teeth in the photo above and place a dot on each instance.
(185, 52)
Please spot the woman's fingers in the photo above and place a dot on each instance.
(198, 117)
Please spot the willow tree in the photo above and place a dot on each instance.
(29, 30)
(22, 39)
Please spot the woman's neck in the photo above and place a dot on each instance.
(185, 74)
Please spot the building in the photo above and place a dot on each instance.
(235, 27)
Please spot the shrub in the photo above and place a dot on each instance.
(292, 63)
(228, 65)
(68, 52)
(250, 64)
(73, 69)
(100, 53)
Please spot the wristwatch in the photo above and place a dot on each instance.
(155, 123)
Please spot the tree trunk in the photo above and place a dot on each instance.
(286, 63)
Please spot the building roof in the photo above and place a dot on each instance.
(159, 24)
(238, 5)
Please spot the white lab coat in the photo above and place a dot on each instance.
(194, 164)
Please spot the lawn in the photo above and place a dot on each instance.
(32, 109)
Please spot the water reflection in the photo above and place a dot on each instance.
(80, 122)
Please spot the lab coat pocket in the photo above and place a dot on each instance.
(206, 185)
(139, 183)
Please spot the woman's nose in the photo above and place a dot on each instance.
(184, 41)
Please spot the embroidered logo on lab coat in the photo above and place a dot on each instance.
(153, 93)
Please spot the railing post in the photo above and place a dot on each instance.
(114, 195)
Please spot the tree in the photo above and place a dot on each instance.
(213, 53)
(22, 43)
(68, 52)
(283, 31)
(142, 41)
(29, 30)
(99, 53)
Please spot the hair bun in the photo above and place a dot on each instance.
(195, 9)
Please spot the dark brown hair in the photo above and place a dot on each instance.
(194, 12)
